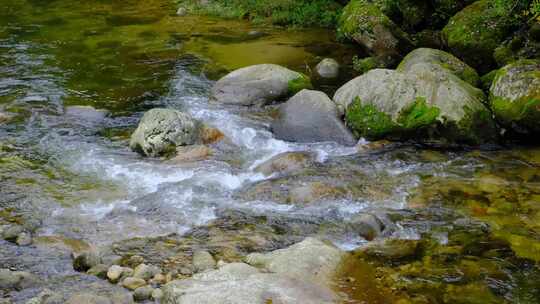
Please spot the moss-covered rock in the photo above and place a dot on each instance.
(423, 100)
(441, 59)
(515, 96)
(363, 65)
(475, 32)
(364, 22)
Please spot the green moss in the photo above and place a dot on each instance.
(418, 115)
(364, 65)
(487, 79)
(367, 121)
(298, 84)
(469, 37)
(319, 13)
(524, 111)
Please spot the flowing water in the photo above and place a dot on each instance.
(75, 78)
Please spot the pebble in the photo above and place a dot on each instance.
(100, 271)
(145, 272)
(86, 260)
(143, 293)
(132, 283)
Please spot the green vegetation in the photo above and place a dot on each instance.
(418, 115)
(303, 13)
(298, 84)
(367, 121)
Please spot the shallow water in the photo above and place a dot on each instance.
(67, 174)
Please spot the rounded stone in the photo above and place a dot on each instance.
(132, 283)
(328, 68)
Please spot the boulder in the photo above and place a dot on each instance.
(240, 283)
(16, 279)
(424, 103)
(161, 131)
(365, 22)
(88, 298)
(475, 32)
(440, 59)
(285, 163)
(203, 260)
(258, 85)
(310, 116)
(86, 260)
(328, 68)
(515, 96)
(310, 260)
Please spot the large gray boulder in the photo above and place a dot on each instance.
(310, 116)
(299, 274)
(258, 85)
(515, 96)
(440, 60)
(422, 101)
(161, 131)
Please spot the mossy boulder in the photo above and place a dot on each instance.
(258, 85)
(515, 96)
(440, 59)
(364, 22)
(475, 32)
(423, 103)
(161, 131)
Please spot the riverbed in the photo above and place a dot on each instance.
(75, 79)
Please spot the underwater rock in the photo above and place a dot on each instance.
(285, 163)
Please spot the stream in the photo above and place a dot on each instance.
(77, 76)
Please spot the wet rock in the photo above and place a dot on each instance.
(157, 294)
(285, 163)
(12, 233)
(115, 273)
(88, 298)
(373, 146)
(313, 192)
(203, 260)
(46, 297)
(158, 279)
(134, 261)
(310, 116)
(211, 135)
(191, 154)
(423, 103)
(4, 118)
(142, 294)
(367, 226)
(392, 249)
(364, 22)
(467, 36)
(161, 131)
(86, 113)
(132, 283)
(145, 272)
(24, 239)
(515, 96)
(258, 85)
(86, 260)
(100, 271)
(328, 68)
(16, 279)
(239, 285)
(309, 260)
(122, 298)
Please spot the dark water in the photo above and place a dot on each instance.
(75, 77)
